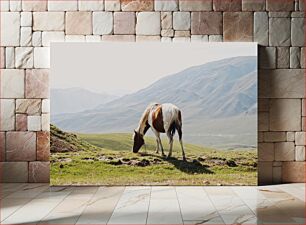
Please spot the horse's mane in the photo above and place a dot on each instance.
(144, 118)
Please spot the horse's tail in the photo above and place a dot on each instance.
(179, 124)
(172, 128)
(176, 125)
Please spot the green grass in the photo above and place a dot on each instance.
(99, 156)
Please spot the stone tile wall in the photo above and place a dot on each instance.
(28, 27)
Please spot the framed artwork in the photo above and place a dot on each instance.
(154, 113)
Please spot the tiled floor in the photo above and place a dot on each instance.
(41, 204)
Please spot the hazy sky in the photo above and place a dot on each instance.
(115, 67)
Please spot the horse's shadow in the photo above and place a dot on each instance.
(189, 167)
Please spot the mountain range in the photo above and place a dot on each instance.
(218, 101)
(71, 100)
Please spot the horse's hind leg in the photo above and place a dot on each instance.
(179, 131)
(170, 136)
(157, 146)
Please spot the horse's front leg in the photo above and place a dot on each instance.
(158, 142)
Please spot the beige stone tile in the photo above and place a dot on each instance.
(49, 36)
(279, 32)
(26, 19)
(170, 5)
(45, 122)
(28, 106)
(238, 26)
(12, 83)
(206, 23)
(112, 5)
(166, 20)
(281, 83)
(37, 38)
(34, 123)
(275, 136)
(148, 23)
(45, 106)
(41, 57)
(280, 5)
(48, 21)
(7, 113)
(267, 57)
(300, 153)
(293, 172)
(220, 5)
(21, 122)
(14, 172)
(201, 5)
(37, 83)
(124, 22)
(10, 28)
(137, 5)
(78, 23)
(24, 57)
(266, 152)
(55, 5)
(253, 5)
(39, 172)
(285, 115)
(43, 146)
(20, 146)
(300, 138)
(181, 21)
(95, 5)
(102, 23)
(34, 5)
(25, 36)
(5, 5)
(290, 136)
(283, 57)
(284, 151)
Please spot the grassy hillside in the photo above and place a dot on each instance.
(107, 159)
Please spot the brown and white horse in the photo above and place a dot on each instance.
(161, 118)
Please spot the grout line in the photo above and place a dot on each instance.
(56, 206)
(149, 204)
(116, 205)
(217, 211)
(88, 201)
(178, 201)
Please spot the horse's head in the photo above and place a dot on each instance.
(138, 141)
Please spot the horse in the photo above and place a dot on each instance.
(161, 118)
